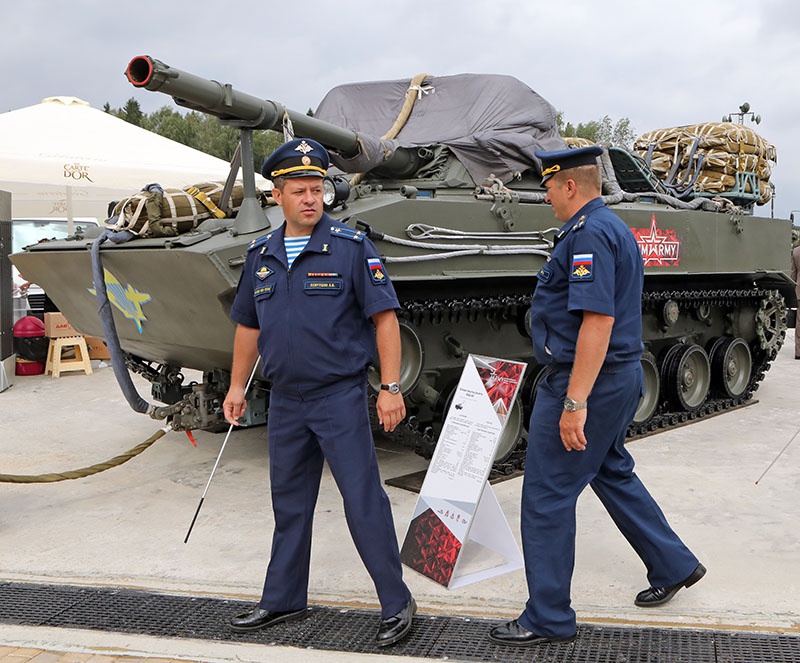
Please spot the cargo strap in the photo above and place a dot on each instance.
(206, 201)
(136, 214)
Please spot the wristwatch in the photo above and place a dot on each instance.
(571, 405)
(392, 387)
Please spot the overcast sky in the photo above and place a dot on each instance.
(659, 64)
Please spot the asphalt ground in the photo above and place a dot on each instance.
(125, 527)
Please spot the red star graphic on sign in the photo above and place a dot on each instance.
(660, 248)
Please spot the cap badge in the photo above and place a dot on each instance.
(304, 147)
(306, 160)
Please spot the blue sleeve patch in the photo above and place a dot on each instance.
(582, 267)
(376, 271)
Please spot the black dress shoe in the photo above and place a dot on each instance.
(514, 633)
(653, 596)
(396, 628)
(260, 618)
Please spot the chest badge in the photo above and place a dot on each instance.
(376, 271)
(263, 272)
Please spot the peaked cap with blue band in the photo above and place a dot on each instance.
(555, 162)
(301, 157)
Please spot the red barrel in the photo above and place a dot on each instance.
(30, 345)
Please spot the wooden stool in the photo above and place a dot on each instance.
(56, 365)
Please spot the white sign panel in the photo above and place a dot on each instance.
(456, 505)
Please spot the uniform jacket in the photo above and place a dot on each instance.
(595, 266)
(316, 333)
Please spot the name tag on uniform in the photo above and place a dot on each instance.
(266, 289)
(322, 285)
(582, 267)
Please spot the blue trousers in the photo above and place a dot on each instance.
(554, 478)
(302, 435)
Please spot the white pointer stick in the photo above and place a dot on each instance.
(219, 455)
(776, 457)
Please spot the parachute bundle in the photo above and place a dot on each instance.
(157, 212)
(730, 157)
(575, 142)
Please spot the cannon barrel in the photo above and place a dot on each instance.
(232, 106)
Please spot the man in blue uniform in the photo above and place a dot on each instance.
(587, 327)
(316, 303)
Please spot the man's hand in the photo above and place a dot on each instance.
(571, 427)
(590, 353)
(391, 410)
(234, 405)
(245, 354)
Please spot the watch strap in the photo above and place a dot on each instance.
(571, 405)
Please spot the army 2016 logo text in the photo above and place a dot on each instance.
(660, 248)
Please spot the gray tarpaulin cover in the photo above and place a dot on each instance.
(492, 123)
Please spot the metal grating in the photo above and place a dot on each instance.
(757, 648)
(33, 605)
(436, 637)
(617, 644)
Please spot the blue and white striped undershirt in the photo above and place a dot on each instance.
(294, 245)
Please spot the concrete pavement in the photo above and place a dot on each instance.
(125, 527)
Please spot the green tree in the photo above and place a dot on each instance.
(264, 144)
(604, 130)
(132, 112)
(197, 130)
(168, 123)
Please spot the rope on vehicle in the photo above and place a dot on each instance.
(414, 92)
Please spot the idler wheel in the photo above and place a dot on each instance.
(412, 360)
(652, 386)
(686, 376)
(731, 366)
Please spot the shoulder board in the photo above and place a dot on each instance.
(580, 223)
(348, 233)
(260, 241)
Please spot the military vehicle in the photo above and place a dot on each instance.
(451, 196)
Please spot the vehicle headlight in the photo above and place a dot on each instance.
(335, 191)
